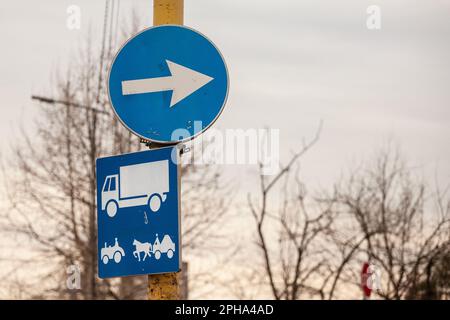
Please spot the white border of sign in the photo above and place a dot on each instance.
(196, 134)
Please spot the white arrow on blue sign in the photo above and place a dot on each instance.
(165, 79)
(138, 213)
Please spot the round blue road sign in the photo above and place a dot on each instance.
(168, 84)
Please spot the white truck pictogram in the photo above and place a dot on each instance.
(144, 184)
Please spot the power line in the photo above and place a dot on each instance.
(116, 31)
(111, 23)
(102, 53)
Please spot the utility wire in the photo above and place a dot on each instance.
(102, 52)
(111, 24)
(116, 31)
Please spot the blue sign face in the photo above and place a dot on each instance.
(138, 213)
(168, 84)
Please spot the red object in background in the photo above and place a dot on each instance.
(364, 276)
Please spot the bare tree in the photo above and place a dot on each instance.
(315, 246)
(385, 207)
(294, 258)
(434, 283)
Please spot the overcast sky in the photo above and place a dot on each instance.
(292, 63)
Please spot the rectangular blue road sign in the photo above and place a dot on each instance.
(138, 213)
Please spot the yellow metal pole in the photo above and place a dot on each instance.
(168, 12)
(166, 286)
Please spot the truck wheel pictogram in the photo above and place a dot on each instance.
(111, 208)
(154, 202)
